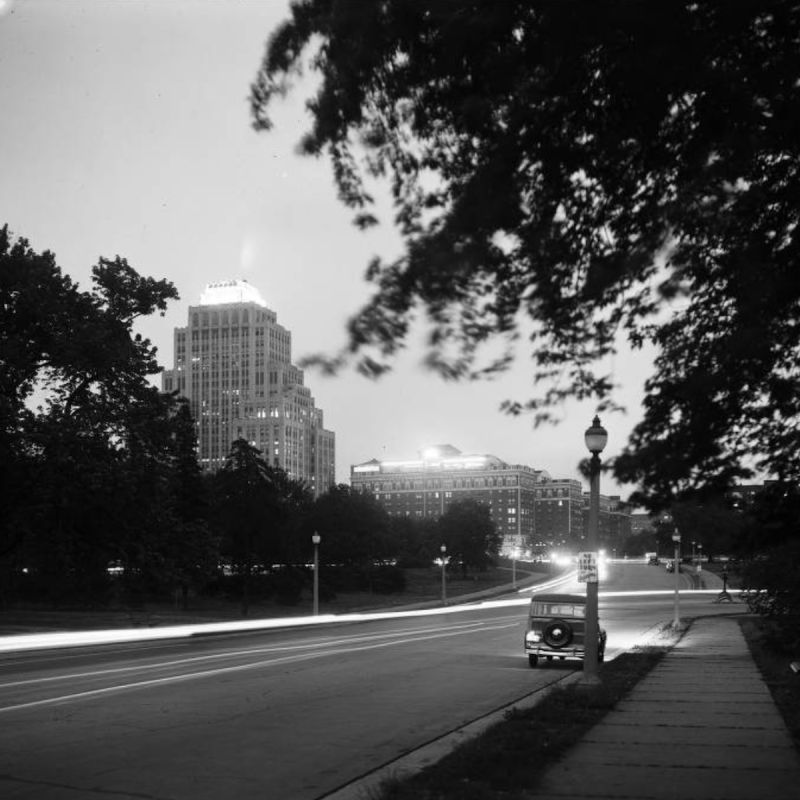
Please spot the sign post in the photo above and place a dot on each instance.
(587, 567)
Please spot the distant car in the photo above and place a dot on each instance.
(653, 560)
(557, 628)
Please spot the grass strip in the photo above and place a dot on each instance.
(774, 645)
(509, 758)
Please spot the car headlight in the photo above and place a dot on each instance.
(533, 636)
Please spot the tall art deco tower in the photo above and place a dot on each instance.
(233, 362)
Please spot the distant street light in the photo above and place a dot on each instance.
(676, 537)
(596, 438)
(316, 539)
(443, 549)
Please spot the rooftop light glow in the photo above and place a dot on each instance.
(238, 291)
(455, 462)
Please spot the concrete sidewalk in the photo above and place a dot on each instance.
(701, 726)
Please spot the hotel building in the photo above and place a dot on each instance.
(534, 513)
(233, 362)
(559, 515)
(427, 485)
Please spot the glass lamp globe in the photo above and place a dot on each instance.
(596, 437)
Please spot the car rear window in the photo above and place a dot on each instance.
(558, 610)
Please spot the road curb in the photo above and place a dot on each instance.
(434, 751)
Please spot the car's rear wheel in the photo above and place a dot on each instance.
(533, 660)
(557, 634)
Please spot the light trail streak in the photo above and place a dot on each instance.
(294, 658)
(34, 641)
(251, 651)
(548, 585)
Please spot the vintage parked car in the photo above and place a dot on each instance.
(557, 628)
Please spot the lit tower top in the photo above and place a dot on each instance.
(238, 291)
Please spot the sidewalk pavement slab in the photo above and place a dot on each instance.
(701, 726)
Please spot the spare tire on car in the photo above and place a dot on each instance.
(557, 634)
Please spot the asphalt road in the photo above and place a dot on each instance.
(294, 713)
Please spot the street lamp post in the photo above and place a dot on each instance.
(514, 567)
(596, 438)
(676, 537)
(443, 549)
(699, 558)
(694, 563)
(316, 539)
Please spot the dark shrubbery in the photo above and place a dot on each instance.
(287, 583)
(772, 589)
(381, 579)
(770, 559)
(64, 590)
(387, 579)
(284, 585)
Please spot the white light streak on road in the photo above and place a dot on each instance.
(41, 641)
(334, 647)
(35, 641)
(249, 651)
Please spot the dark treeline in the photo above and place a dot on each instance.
(103, 501)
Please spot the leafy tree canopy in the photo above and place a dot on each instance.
(578, 173)
(712, 524)
(258, 506)
(352, 525)
(77, 345)
(469, 534)
(89, 476)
